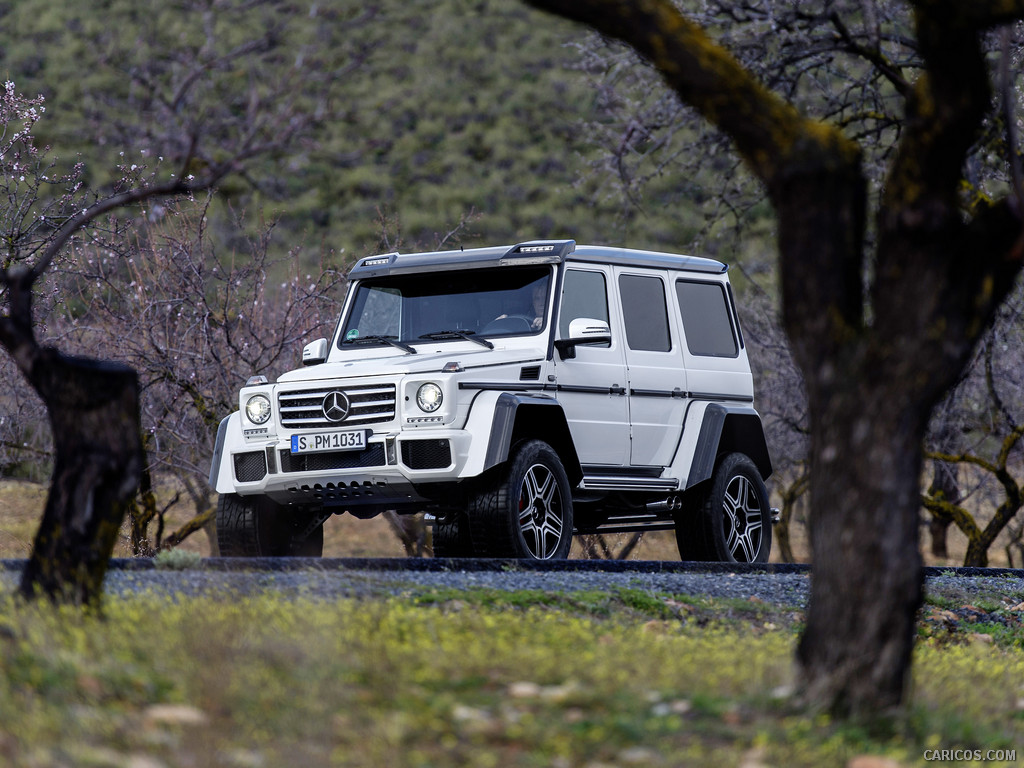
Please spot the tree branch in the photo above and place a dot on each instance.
(764, 127)
(808, 167)
(873, 56)
(93, 212)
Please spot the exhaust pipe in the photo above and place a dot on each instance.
(671, 504)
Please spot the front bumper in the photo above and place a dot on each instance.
(390, 471)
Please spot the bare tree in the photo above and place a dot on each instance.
(947, 506)
(93, 406)
(876, 353)
(201, 127)
(975, 443)
(195, 320)
(833, 60)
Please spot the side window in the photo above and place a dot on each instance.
(584, 294)
(377, 312)
(645, 312)
(706, 319)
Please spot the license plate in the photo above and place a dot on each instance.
(316, 442)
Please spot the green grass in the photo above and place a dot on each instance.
(476, 678)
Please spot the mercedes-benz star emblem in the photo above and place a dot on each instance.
(336, 406)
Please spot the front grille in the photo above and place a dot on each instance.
(369, 404)
(426, 454)
(373, 456)
(250, 467)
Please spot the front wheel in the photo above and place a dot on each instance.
(527, 513)
(255, 526)
(732, 523)
(451, 538)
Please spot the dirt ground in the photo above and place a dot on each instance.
(21, 505)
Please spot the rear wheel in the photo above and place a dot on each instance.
(527, 512)
(255, 526)
(731, 522)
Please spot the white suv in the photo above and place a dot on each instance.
(517, 394)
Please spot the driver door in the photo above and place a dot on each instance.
(592, 386)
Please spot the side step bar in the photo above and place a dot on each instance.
(621, 483)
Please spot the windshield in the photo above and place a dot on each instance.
(479, 303)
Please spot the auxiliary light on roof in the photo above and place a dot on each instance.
(376, 261)
(536, 248)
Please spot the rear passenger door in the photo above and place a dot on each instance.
(656, 378)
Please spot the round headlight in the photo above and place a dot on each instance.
(429, 397)
(257, 409)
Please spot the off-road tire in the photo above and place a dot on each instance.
(255, 526)
(526, 510)
(731, 521)
(451, 538)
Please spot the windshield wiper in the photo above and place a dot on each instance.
(467, 335)
(382, 339)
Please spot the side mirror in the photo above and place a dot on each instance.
(583, 330)
(315, 352)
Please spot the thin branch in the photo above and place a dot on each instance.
(872, 55)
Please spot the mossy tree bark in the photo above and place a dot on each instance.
(945, 490)
(874, 377)
(94, 414)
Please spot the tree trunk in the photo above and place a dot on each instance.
(854, 654)
(142, 510)
(944, 485)
(791, 495)
(873, 377)
(938, 531)
(94, 414)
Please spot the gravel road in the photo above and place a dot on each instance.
(780, 585)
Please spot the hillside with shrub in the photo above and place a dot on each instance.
(429, 114)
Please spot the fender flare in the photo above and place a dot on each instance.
(728, 428)
(514, 414)
(218, 454)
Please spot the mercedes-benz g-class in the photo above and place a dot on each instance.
(518, 394)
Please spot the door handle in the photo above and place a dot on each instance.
(617, 390)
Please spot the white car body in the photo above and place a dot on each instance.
(639, 405)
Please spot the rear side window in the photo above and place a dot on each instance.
(645, 313)
(707, 322)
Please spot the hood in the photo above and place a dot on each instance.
(386, 362)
